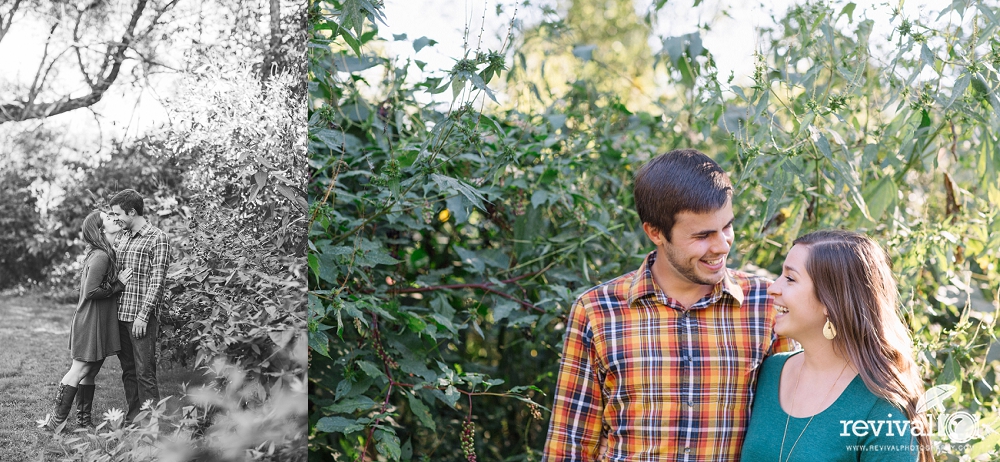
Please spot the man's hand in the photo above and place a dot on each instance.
(138, 328)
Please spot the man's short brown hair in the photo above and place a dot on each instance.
(678, 181)
(128, 199)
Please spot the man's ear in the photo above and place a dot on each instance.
(654, 234)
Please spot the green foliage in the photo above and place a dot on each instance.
(447, 244)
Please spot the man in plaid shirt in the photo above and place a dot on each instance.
(660, 364)
(144, 248)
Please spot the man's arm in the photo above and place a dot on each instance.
(575, 427)
(157, 277)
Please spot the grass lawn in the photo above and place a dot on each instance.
(34, 355)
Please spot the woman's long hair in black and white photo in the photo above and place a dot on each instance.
(93, 236)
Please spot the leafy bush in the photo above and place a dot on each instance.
(231, 420)
(236, 288)
(22, 259)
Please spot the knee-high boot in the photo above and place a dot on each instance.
(85, 405)
(64, 402)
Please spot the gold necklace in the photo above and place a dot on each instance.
(792, 405)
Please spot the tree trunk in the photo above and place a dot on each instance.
(272, 49)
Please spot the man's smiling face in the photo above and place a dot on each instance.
(120, 217)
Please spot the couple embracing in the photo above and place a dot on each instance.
(121, 288)
(687, 360)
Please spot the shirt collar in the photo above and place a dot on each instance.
(643, 286)
(142, 231)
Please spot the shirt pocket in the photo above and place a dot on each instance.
(732, 356)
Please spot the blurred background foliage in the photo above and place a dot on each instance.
(448, 241)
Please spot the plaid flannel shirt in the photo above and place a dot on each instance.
(145, 251)
(658, 381)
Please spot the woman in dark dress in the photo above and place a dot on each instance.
(94, 334)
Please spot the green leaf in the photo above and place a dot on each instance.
(357, 64)
(778, 184)
(881, 197)
(316, 307)
(422, 42)
(349, 405)
(332, 139)
(320, 343)
(387, 443)
(351, 40)
(422, 412)
(450, 396)
(927, 55)
(950, 373)
(376, 255)
(584, 52)
(415, 324)
(417, 367)
(468, 257)
(502, 309)
(849, 11)
(471, 194)
(539, 197)
(959, 89)
(478, 82)
(337, 424)
(371, 369)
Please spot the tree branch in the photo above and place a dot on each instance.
(23, 110)
(5, 26)
(272, 49)
(484, 286)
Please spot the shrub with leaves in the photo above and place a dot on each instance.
(236, 288)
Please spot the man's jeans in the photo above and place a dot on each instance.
(138, 359)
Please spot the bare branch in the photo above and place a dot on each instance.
(5, 26)
(39, 79)
(76, 41)
(115, 55)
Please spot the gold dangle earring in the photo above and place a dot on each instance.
(828, 330)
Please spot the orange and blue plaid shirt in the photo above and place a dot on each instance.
(145, 251)
(657, 381)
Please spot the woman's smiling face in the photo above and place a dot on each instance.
(800, 313)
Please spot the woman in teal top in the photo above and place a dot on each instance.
(851, 394)
(857, 425)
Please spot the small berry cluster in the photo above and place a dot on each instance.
(468, 440)
(380, 351)
(535, 413)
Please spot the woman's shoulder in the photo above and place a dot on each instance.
(882, 408)
(97, 255)
(778, 360)
(770, 369)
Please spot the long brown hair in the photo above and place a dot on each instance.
(852, 276)
(93, 235)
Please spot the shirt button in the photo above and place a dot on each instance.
(690, 403)
(687, 450)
